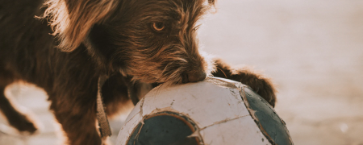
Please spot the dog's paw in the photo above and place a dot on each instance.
(23, 124)
(258, 83)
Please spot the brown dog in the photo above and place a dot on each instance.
(137, 42)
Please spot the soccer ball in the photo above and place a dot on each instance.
(212, 112)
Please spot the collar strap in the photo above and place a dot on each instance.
(103, 123)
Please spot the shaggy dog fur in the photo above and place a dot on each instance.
(136, 43)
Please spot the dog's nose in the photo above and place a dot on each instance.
(196, 76)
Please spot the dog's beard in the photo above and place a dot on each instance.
(167, 65)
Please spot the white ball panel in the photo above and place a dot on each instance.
(204, 102)
(136, 110)
(131, 122)
(241, 131)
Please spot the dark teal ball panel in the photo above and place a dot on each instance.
(268, 119)
(162, 130)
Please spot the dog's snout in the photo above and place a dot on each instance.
(196, 76)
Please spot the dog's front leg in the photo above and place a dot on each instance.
(259, 84)
(77, 115)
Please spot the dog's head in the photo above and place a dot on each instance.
(151, 40)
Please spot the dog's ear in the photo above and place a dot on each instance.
(71, 20)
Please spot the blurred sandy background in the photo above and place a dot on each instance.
(313, 51)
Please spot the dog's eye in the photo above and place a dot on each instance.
(158, 26)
